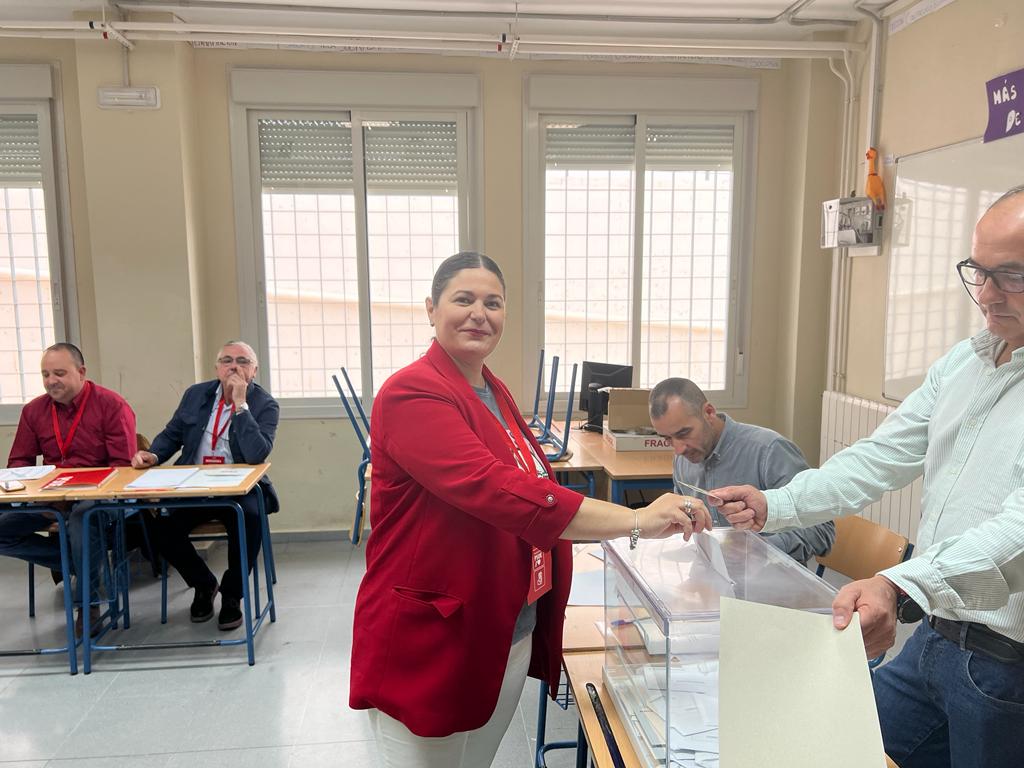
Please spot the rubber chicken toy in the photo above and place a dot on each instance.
(873, 187)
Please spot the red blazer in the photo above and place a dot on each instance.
(448, 561)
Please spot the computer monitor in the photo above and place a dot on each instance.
(603, 375)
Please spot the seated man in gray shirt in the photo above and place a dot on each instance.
(712, 451)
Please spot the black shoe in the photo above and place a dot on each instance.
(57, 576)
(230, 616)
(202, 605)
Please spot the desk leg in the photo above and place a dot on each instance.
(268, 554)
(243, 556)
(69, 612)
(84, 580)
(581, 748)
(542, 721)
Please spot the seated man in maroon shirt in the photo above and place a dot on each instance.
(75, 424)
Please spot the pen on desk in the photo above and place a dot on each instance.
(621, 622)
(606, 728)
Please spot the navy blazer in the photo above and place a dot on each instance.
(251, 436)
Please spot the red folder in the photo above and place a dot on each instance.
(80, 478)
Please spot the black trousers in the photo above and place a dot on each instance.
(173, 543)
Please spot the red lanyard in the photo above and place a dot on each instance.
(61, 444)
(520, 449)
(217, 431)
(540, 562)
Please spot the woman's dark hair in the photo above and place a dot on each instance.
(455, 264)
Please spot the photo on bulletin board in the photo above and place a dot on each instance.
(939, 196)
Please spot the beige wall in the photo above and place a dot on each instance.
(934, 95)
(153, 206)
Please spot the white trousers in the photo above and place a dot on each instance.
(398, 747)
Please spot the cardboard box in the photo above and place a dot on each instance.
(625, 441)
(628, 409)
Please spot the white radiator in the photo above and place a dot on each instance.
(844, 420)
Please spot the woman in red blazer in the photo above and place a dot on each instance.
(469, 548)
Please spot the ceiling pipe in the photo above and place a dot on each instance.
(572, 46)
(787, 15)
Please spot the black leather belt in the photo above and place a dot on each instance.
(978, 637)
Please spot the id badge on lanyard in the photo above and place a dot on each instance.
(218, 433)
(540, 561)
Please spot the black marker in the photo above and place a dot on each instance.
(606, 729)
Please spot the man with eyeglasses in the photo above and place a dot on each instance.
(954, 696)
(228, 420)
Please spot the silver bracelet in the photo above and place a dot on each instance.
(634, 535)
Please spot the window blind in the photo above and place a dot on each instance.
(582, 145)
(20, 160)
(305, 154)
(690, 147)
(411, 156)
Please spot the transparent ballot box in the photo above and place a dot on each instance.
(662, 632)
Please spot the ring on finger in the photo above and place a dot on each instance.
(688, 506)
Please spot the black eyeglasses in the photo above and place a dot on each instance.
(1005, 280)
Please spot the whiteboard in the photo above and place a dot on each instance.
(939, 196)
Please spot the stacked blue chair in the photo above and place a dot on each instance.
(361, 425)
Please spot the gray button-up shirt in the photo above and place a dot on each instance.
(747, 454)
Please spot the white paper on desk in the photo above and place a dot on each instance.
(26, 473)
(160, 479)
(587, 588)
(712, 550)
(794, 691)
(223, 477)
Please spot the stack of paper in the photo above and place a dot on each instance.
(188, 478)
(26, 473)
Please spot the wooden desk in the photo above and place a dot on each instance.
(583, 668)
(580, 633)
(33, 493)
(36, 500)
(114, 487)
(625, 469)
(114, 497)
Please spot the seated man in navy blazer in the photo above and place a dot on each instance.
(229, 420)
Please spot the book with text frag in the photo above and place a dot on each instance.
(80, 478)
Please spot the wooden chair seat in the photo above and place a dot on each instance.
(863, 548)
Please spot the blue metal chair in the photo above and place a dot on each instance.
(534, 422)
(362, 430)
(564, 700)
(561, 444)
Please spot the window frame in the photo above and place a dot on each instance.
(354, 97)
(35, 89)
(551, 98)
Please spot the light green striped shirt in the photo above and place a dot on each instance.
(964, 429)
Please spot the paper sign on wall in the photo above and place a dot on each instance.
(1005, 96)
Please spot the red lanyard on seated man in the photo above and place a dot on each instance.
(218, 432)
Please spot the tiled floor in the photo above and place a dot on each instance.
(205, 706)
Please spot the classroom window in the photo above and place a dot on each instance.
(654, 290)
(27, 263)
(356, 214)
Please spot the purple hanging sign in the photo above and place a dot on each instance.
(1005, 96)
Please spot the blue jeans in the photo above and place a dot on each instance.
(942, 706)
(18, 538)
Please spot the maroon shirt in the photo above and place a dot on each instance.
(105, 436)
